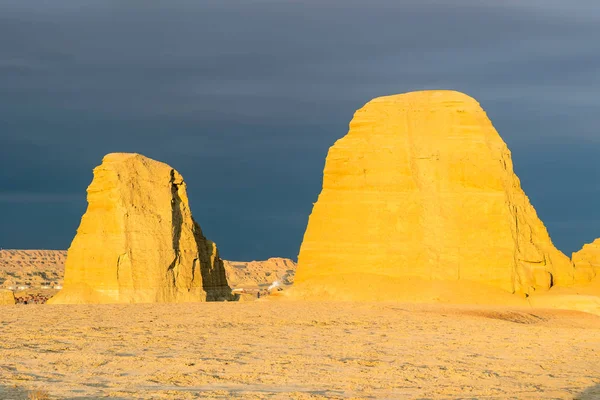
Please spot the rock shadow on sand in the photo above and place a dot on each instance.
(592, 393)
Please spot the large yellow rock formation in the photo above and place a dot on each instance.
(7, 297)
(422, 188)
(587, 260)
(137, 241)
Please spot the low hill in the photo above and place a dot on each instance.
(35, 269)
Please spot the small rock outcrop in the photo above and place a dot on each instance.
(7, 297)
(587, 260)
(423, 187)
(260, 273)
(137, 241)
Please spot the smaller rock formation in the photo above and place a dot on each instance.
(7, 297)
(137, 241)
(587, 260)
(255, 274)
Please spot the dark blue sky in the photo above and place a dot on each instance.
(244, 97)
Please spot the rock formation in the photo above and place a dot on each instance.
(7, 297)
(256, 274)
(422, 187)
(137, 241)
(587, 260)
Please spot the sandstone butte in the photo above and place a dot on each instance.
(588, 259)
(422, 191)
(137, 241)
(6, 297)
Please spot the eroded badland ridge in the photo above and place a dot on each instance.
(39, 269)
(44, 269)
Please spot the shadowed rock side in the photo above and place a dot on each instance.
(137, 241)
(7, 297)
(587, 259)
(213, 273)
(422, 188)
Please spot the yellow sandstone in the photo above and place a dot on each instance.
(422, 190)
(7, 297)
(588, 259)
(137, 241)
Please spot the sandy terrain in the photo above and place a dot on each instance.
(280, 349)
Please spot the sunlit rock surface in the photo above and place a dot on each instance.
(587, 260)
(6, 297)
(137, 241)
(422, 189)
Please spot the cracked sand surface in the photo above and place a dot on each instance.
(281, 350)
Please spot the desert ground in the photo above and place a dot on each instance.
(277, 349)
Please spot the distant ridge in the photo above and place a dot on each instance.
(37, 268)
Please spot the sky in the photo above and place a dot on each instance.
(244, 98)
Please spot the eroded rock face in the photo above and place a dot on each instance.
(587, 260)
(7, 297)
(137, 241)
(423, 186)
(260, 273)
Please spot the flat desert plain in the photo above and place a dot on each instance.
(297, 350)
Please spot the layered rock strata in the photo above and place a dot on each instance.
(137, 241)
(422, 187)
(31, 268)
(251, 274)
